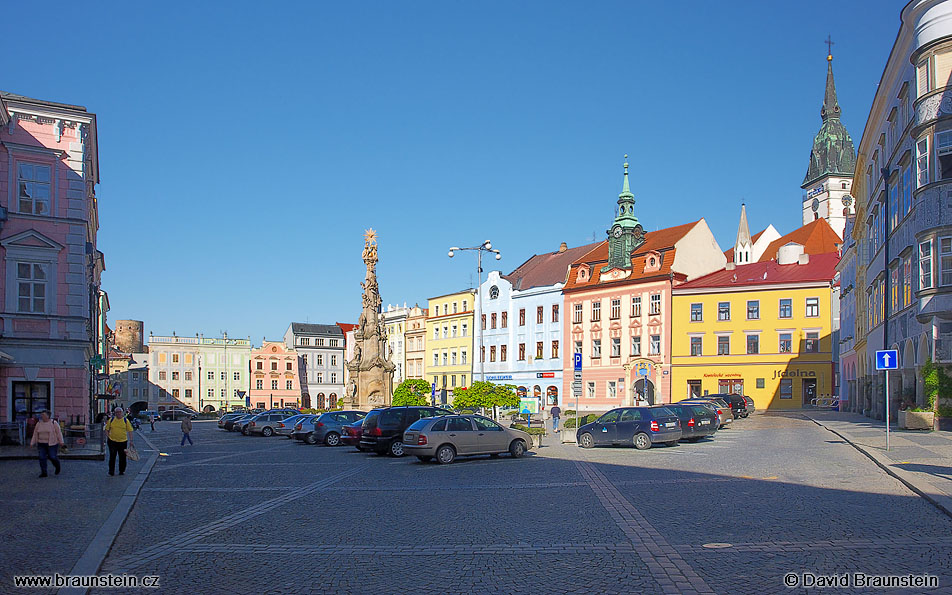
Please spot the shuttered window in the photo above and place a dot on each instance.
(922, 78)
(943, 69)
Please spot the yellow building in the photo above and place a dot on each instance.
(449, 343)
(763, 330)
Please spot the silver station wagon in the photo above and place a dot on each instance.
(447, 437)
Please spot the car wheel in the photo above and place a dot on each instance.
(424, 459)
(267, 432)
(517, 448)
(445, 454)
(310, 439)
(244, 432)
(396, 448)
(586, 440)
(642, 441)
(332, 439)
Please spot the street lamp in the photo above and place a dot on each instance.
(486, 246)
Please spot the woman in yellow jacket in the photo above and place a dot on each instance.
(47, 437)
(119, 434)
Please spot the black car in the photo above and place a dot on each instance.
(750, 405)
(223, 420)
(177, 414)
(382, 429)
(737, 403)
(637, 426)
(697, 421)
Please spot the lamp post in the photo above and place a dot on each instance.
(486, 246)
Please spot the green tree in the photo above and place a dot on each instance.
(413, 391)
(486, 394)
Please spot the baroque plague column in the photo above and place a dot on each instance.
(371, 371)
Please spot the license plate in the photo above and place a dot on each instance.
(670, 424)
(703, 422)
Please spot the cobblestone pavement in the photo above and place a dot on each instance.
(47, 523)
(732, 514)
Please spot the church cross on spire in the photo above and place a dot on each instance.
(829, 48)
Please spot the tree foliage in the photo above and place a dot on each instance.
(486, 394)
(411, 392)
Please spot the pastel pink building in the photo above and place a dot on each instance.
(53, 318)
(617, 308)
(274, 376)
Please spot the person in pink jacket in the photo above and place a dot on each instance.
(47, 438)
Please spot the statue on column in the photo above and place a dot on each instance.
(371, 371)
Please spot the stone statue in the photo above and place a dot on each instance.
(371, 371)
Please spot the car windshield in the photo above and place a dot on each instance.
(419, 424)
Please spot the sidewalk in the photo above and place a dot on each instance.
(921, 460)
(51, 524)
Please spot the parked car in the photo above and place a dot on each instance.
(382, 429)
(697, 421)
(288, 410)
(242, 424)
(329, 426)
(234, 424)
(265, 423)
(448, 437)
(722, 409)
(177, 414)
(350, 434)
(737, 403)
(639, 426)
(226, 418)
(750, 405)
(303, 428)
(286, 426)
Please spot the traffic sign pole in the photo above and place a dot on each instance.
(887, 409)
(886, 360)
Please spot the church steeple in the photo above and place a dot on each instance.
(743, 245)
(831, 108)
(626, 232)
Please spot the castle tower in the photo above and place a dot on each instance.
(829, 179)
(129, 336)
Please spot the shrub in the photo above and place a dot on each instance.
(585, 419)
(531, 431)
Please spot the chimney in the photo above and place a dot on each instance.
(731, 266)
(563, 247)
(804, 259)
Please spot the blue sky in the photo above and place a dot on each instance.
(245, 147)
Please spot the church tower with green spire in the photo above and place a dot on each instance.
(626, 232)
(829, 178)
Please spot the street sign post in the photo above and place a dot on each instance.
(578, 362)
(577, 382)
(886, 360)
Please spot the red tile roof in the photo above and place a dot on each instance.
(546, 269)
(816, 237)
(346, 327)
(662, 241)
(820, 268)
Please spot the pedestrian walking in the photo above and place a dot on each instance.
(47, 437)
(152, 421)
(119, 438)
(186, 428)
(556, 413)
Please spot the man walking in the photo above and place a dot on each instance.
(186, 428)
(119, 434)
(556, 413)
(152, 421)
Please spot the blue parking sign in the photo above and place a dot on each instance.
(887, 359)
(578, 362)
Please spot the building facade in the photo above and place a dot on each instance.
(204, 373)
(53, 318)
(617, 307)
(449, 362)
(321, 350)
(521, 327)
(762, 329)
(903, 230)
(275, 380)
(395, 326)
(415, 336)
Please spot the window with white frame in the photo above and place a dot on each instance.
(943, 155)
(305, 341)
(723, 345)
(611, 389)
(274, 385)
(812, 307)
(925, 264)
(33, 183)
(590, 393)
(636, 345)
(723, 310)
(333, 377)
(333, 360)
(696, 346)
(596, 310)
(922, 161)
(697, 312)
(945, 261)
(596, 348)
(289, 385)
(462, 357)
(636, 306)
(436, 359)
(236, 376)
(577, 314)
(655, 346)
(578, 347)
(615, 309)
(436, 332)
(616, 347)
(32, 284)
(654, 304)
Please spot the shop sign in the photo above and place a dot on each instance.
(545, 374)
(494, 377)
(793, 374)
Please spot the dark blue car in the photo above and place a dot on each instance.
(637, 426)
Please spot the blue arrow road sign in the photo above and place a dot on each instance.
(578, 362)
(887, 359)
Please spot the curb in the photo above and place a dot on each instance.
(932, 494)
(92, 558)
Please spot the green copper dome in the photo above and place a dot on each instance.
(833, 152)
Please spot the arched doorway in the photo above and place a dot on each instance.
(537, 393)
(552, 395)
(320, 401)
(333, 400)
(208, 408)
(645, 388)
(521, 392)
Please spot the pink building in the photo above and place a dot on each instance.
(617, 305)
(274, 376)
(53, 308)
